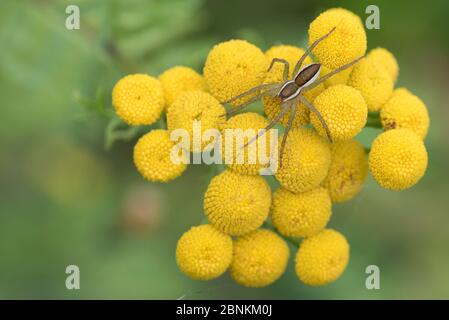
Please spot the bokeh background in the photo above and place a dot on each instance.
(69, 193)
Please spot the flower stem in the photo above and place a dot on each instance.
(373, 120)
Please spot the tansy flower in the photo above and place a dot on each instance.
(178, 80)
(204, 253)
(305, 161)
(343, 109)
(244, 127)
(233, 67)
(236, 204)
(302, 214)
(405, 110)
(340, 78)
(385, 58)
(373, 81)
(348, 170)
(260, 258)
(322, 258)
(398, 159)
(138, 99)
(152, 157)
(272, 105)
(345, 44)
(195, 106)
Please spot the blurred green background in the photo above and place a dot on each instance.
(66, 199)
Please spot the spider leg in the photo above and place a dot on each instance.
(286, 66)
(242, 106)
(250, 91)
(309, 50)
(330, 74)
(312, 108)
(273, 122)
(291, 117)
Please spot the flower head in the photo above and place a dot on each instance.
(260, 258)
(322, 258)
(237, 204)
(138, 99)
(152, 157)
(203, 253)
(345, 44)
(233, 67)
(178, 80)
(398, 159)
(405, 110)
(385, 58)
(302, 214)
(348, 170)
(344, 111)
(373, 81)
(305, 161)
(244, 127)
(195, 106)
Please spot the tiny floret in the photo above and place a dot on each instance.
(260, 258)
(138, 99)
(204, 253)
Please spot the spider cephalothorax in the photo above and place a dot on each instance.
(290, 92)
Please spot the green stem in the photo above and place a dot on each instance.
(373, 120)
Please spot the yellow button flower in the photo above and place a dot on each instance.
(322, 258)
(305, 161)
(138, 99)
(272, 105)
(348, 170)
(373, 81)
(343, 109)
(152, 157)
(405, 110)
(204, 253)
(345, 44)
(301, 214)
(385, 58)
(340, 78)
(398, 159)
(178, 80)
(237, 204)
(260, 258)
(245, 160)
(195, 106)
(233, 67)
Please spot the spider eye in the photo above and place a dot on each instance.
(307, 74)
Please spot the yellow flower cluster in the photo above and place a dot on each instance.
(248, 225)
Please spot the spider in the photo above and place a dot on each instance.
(290, 92)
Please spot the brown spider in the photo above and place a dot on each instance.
(290, 92)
